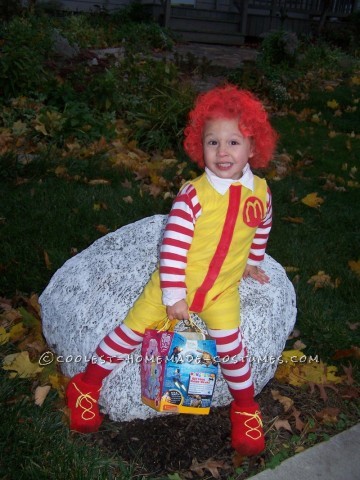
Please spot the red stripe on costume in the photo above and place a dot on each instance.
(176, 243)
(172, 270)
(221, 250)
(178, 213)
(172, 256)
(174, 227)
(166, 284)
(125, 338)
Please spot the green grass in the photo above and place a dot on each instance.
(36, 444)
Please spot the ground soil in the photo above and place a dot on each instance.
(169, 444)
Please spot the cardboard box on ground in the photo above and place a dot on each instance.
(178, 371)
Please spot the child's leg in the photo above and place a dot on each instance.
(222, 319)
(83, 391)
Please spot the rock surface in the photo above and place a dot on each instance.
(92, 292)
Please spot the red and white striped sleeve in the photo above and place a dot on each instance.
(258, 246)
(178, 235)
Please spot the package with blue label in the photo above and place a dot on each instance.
(178, 371)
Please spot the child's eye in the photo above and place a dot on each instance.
(212, 142)
(234, 142)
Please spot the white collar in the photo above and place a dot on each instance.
(222, 185)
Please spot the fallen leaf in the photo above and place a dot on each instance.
(299, 424)
(321, 280)
(211, 465)
(126, 184)
(333, 104)
(238, 459)
(353, 326)
(20, 365)
(99, 181)
(291, 269)
(297, 220)
(128, 199)
(47, 260)
(286, 402)
(346, 353)
(4, 336)
(41, 394)
(312, 200)
(354, 266)
(299, 345)
(102, 229)
(328, 415)
(282, 424)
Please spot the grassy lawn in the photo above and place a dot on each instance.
(63, 186)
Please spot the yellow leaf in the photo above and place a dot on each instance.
(354, 266)
(332, 104)
(295, 372)
(20, 365)
(291, 269)
(312, 200)
(332, 134)
(41, 394)
(321, 280)
(60, 171)
(4, 336)
(17, 332)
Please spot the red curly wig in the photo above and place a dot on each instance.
(228, 102)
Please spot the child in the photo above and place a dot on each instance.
(216, 234)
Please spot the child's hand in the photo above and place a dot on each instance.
(256, 273)
(178, 311)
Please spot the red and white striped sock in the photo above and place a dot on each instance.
(234, 364)
(112, 350)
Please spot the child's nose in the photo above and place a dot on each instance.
(222, 149)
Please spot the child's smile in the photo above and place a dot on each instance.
(226, 150)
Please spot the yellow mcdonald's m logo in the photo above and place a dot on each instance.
(253, 210)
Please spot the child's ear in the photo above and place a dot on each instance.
(252, 147)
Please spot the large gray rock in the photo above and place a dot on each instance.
(92, 292)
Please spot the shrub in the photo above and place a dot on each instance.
(27, 43)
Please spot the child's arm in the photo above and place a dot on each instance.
(258, 247)
(176, 242)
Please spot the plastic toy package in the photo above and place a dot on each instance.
(178, 371)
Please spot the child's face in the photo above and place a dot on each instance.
(226, 150)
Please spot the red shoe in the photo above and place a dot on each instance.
(247, 435)
(82, 401)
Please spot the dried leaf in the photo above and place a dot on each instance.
(20, 365)
(297, 220)
(282, 424)
(102, 229)
(291, 269)
(41, 394)
(99, 181)
(286, 402)
(211, 465)
(328, 415)
(321, 280)
(312, 200)
(354, 266)
(299, 424)
(346, 353)
(128, 199)
(299, 345)
(353, 326)
(47, 260)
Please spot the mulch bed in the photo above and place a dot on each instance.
(169, 444)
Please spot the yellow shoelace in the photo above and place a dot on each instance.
(87, 413)
(257, 429)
